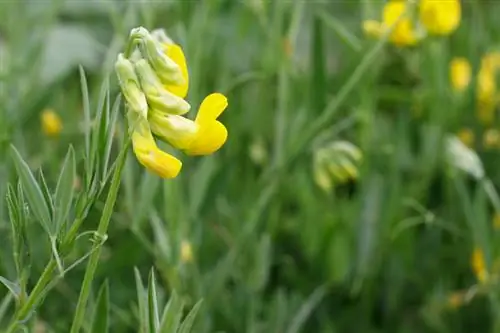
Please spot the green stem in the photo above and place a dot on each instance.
(96, 251)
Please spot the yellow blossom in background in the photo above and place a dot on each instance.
(487, 95)
(466, 135)
(186, 251)
(479, 265)
(456, 299)
(51, 123)
(491, 138)
(460, 74)
(440, 17)
(496, 221)
(395, 16)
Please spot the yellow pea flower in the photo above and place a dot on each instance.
(148, 153)
(174, 52)
(479, 265)
(460, 74)
(211, 134)
(440, 17)
(51, 123)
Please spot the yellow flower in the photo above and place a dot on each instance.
(186, 251)
(395, 15)
(51, 123)
(460, 74)
(466, 135)
(148, 153)
(487, 95)
(479, 265)
(174, 52)
(440, 17)
(491, 138)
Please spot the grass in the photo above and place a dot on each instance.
(245, 240)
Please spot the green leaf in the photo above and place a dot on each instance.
(64, 191)
(100, 322)
(187, 324)
(154, 321)
(172, 314)
(87, 123)
(13, 287)
(46, 193)
(110, 134)
(141, 299)
(33, 192)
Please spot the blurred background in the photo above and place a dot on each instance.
(357, 191)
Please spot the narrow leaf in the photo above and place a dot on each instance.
(100, 321)
(187, 324)
(64, 191)
(154, 321)
(141, 299)
(12, 286)
(172, 314)
(33, 192)
(87, 125)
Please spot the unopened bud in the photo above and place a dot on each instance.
(176, 130)
(130, 87)
(157, 96)
(166, 69)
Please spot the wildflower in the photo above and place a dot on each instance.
(491, 138)
(440, 17)
(336, 162)
(479, 265)
(460, 74)
(51, 123)
(395, 16)
(186, 251)
(466, 136)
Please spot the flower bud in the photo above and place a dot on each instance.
(157, 96)
(130, 87)
(166, 69)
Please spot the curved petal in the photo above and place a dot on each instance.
(209, 139)
(211, 108)
(153, 158)
(174, 52)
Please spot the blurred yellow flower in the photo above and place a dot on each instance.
(460, 74)
(466, 135)
(186, 251)
(395, 16)
(51, 123)
(487, 95)
(491, 138)
(456, 299)
(440, 17)
(479, 265)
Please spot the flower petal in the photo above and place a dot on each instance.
(211, 108)
(174, 52)
(209, 139)
(176, 130)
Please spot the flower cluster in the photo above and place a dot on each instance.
(154, 80)
(435, 17)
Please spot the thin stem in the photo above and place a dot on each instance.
(96, 251)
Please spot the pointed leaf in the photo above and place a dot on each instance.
(141, 299)
(111, 133)
(187, 324)
(46, 193)
(172, 314)
(32, 190)
(87, 125)
(154, 321)
(100, 322)
(65, 191)
(12, 286)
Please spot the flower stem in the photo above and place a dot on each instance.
(96, 251)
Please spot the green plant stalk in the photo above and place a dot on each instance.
(96, 250)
